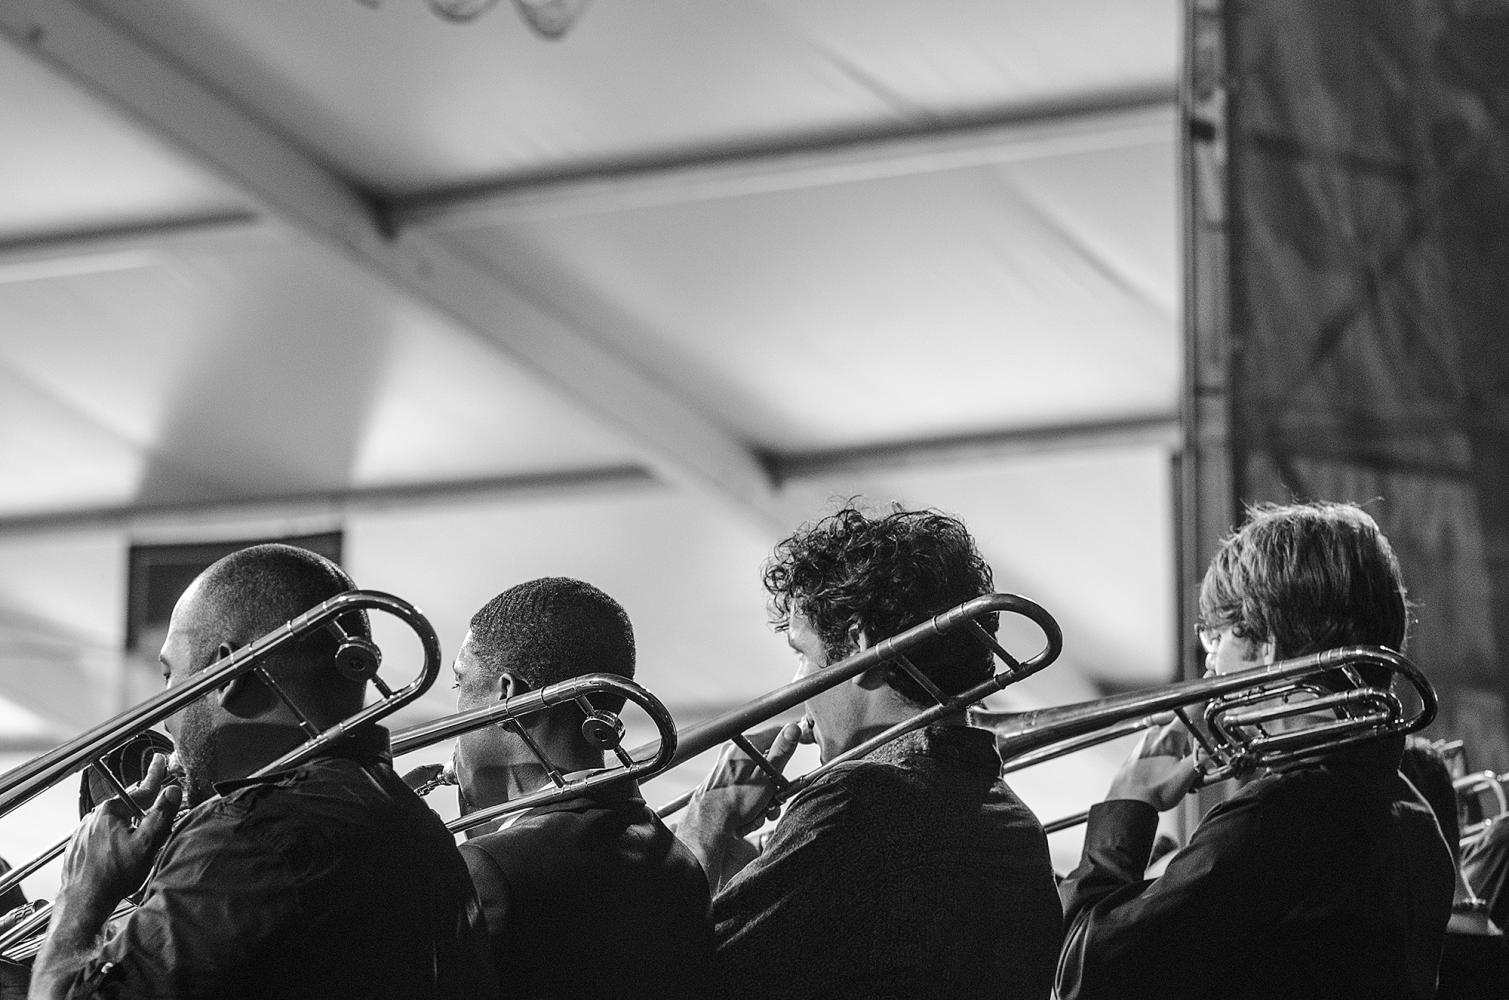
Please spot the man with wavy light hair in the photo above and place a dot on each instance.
(1328, 880)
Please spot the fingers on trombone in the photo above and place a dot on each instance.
(755, 759)
(17, 915)
(790, 733)
(158, 821)
(152, 796)
(153, 821)
(423, 775)
(145, 791)
(1203, 764)
(784, 744)
(1168, 740)
(1187, 776)
(763, 737)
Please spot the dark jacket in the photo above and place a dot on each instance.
(593, 897)
(913, 872)
(1330, 880)
(328, 880)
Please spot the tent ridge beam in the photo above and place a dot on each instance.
(1108, 122)
(1160, 430)
(148, 234)
(332, 505)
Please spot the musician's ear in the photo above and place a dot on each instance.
(874, 678)
(240, 696)
(508, 684)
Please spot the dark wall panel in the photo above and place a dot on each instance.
(1369, 204)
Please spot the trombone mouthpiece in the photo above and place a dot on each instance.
(429, 777)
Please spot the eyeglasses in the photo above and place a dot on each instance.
(1210, 635)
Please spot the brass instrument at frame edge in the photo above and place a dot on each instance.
(356, 657)
(1471, 787)
(1238, 707)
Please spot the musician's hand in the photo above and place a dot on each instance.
(17, 915)
(425, 778)
(1160, 771)
(423, 775)
(108, 858)
(111, 852)
(733, 800)
(737, 791)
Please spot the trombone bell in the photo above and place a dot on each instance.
(1239, 710)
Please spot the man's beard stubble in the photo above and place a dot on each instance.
(196, 754)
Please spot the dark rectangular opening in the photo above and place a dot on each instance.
(158, 574)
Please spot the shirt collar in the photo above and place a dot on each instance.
(617, 793)
(1382, 754)
(368, 745)
(969, 745)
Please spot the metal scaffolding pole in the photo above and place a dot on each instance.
(1206, 464)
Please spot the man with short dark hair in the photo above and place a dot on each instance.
(327, 879)
(1327, 880)
(913, 871)
(591, 896)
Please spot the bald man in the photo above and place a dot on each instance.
(328, 879)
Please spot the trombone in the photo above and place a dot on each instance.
(600, 728)
(1237, 712)
(1471, 787)
(731, 725)
(356, 658)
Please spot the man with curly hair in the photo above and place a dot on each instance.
(1329, 879)
(913, 871)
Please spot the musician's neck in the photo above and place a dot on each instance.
(490, 786)
(242, 749)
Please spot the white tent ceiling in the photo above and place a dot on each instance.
(627, 305)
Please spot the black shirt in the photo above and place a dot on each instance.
(598, 899)
(1327, 881)
(1475, 960)
(328, 880)
(913, 872)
